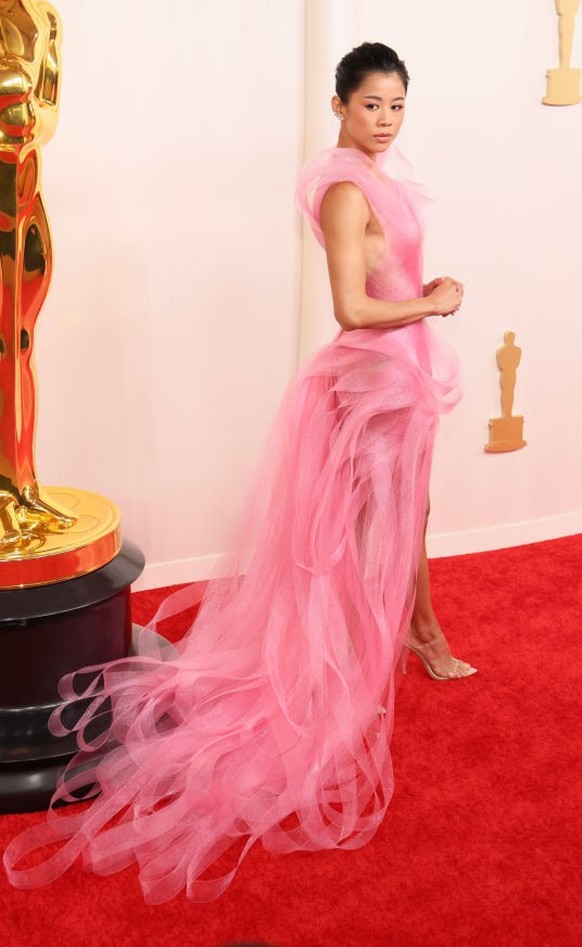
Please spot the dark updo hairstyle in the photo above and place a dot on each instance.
(364, 59)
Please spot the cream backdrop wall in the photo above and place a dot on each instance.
(186, 292)
(171, 327)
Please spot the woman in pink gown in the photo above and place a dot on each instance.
(272, 718)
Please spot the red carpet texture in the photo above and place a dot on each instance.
(481, 844)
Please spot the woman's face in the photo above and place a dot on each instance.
(374, 113)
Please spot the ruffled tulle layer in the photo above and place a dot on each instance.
(271, 719)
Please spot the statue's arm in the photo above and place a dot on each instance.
(47, 90)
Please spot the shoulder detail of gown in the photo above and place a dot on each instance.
(386, 181)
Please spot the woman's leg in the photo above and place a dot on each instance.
(426, 635)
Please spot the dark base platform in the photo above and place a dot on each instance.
(46, 632)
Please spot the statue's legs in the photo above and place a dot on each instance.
(508, 382)
(34, 283)
(26, 273)
(566, 27)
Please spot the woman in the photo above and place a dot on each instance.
(272, 718)
(371, 291)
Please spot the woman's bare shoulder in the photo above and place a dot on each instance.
(346, 201)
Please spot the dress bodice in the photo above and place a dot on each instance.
(397, 204)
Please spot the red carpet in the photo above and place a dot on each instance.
(481, 845)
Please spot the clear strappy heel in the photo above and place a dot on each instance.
(459, 669)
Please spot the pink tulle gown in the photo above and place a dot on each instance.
(272, 718)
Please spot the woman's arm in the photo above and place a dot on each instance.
(344, 217)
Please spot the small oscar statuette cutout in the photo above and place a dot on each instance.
(506, 432)
(563, 84)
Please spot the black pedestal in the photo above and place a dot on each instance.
(46, 632)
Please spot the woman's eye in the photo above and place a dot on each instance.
(371, 106)
(397, 108)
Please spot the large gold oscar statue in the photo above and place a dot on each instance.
(50, 534)
(564, 82)
(65, 575)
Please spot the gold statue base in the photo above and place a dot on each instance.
(45, 555)
(505, 434)
(563, 87)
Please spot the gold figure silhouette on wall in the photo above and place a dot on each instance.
(506, 432)
(563, 86)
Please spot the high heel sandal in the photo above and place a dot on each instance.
(461, 667)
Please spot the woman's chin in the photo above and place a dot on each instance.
(382, 144)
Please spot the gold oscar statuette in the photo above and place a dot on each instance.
(506, 432)
(47, 534)
(563, 84)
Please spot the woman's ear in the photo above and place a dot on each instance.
(336, 104)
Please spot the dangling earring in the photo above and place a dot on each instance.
(339, 115)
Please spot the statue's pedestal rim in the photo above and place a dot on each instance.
(504, 447)
(24, 605)
(61, 554)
